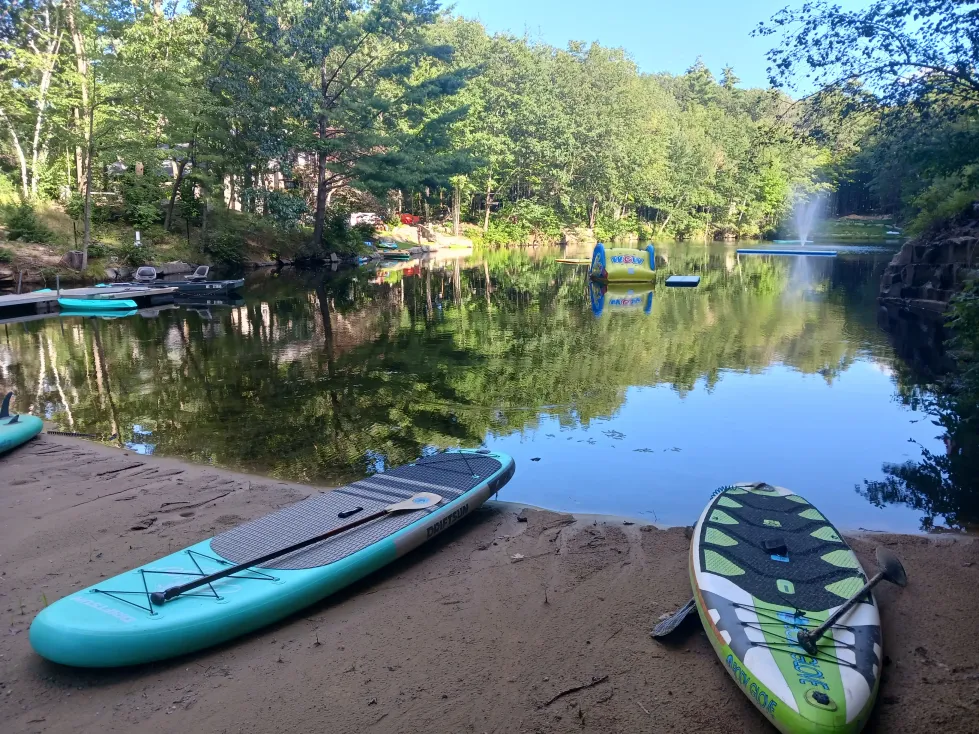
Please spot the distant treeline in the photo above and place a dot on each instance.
(291, 111)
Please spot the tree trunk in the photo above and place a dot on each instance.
(428, 213)
(168, 220)
(592, 214)
(320, 189)
(87, 231)
(81, 63)
(456, 207)
(489, 201)
(38, 147)
(21, 158)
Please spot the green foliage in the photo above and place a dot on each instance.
(133, 255)
(6, 256)
(98, 250)
(286, 210)
(223, 247)
(8, 192)
(22, 224)
(141, 201)
(945, 199)
(611, 229)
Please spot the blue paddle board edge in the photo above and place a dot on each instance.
(92, 629)
(24, 429)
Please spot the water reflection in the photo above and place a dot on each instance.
(772, 369)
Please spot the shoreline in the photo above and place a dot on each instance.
(484, 629)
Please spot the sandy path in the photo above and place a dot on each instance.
(458, 637)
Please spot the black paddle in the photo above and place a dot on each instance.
(420, 501)
(890, 569)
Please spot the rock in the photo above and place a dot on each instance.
(174, 268)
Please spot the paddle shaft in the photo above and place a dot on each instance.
(162, 597)
(808, 639)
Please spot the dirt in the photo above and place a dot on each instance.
(497, 626)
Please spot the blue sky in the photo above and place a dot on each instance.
(661, 35)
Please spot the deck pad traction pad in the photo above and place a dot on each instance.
(806, 568)
(449, 475)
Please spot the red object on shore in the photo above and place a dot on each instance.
(410, 219)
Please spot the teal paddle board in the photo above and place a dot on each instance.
(765, 564)
(16, 429)
(124, 620)
(97, 304)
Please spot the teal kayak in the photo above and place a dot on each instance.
(16, 429)
(273, 566)
(97, 304)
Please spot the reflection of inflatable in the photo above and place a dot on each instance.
(622, 265)
(613, 298)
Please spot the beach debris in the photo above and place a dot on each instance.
(517, 557)
(575, 689)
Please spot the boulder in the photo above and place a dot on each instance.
(174, 268)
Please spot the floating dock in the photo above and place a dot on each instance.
(815, 253)
(683, 281)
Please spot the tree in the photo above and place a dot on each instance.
(30, 48)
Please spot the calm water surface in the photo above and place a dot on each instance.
(634, 403)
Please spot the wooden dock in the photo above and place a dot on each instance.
(18, 307)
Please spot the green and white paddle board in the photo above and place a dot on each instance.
(16, 429)
(115, 622)
(764, 564)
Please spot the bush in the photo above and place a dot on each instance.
(223, 247)
(141, 197)
(132, 254)
(8, 192)
(6, 256)
(22, 224)
(608, 229)
(97, 250)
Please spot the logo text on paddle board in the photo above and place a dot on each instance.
(807, 667)
(765, 701)
(448, 520)
(99, 606)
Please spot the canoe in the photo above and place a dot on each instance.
(16, 429)
(572, 260)
(96, 304)
(400, 255)
(765, 564)
(117, 622)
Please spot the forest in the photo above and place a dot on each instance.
(288, 115)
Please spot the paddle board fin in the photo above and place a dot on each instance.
(5, 406)
(668, 625)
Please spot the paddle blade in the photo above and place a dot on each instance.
(890, 565)
(666, 626)
(420, 501)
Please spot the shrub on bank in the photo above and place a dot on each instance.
(22, 224)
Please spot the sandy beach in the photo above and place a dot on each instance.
(513, 621)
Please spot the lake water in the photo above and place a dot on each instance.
(632, 403)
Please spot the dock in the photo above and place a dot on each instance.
(17, 306)
(809, 253)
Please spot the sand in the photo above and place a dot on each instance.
(497, 626)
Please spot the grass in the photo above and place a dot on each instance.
(856, 228)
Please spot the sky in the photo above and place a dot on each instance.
(661, 35)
